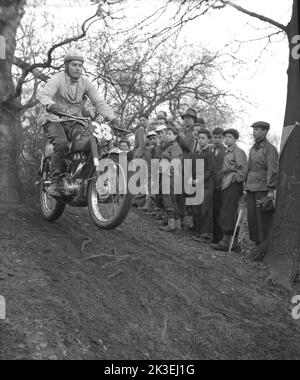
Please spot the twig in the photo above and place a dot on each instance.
(116, 262)
(140, 270)
(99, 256)
(274, 295)
(115, 274)
(85, 243)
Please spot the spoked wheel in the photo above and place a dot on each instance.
(108, 208)
(51, 208)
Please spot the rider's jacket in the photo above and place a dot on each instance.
(71, 96)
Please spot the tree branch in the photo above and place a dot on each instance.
(32, 68)
(26, 66)
(255, 15)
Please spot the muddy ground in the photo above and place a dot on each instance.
(75, 292)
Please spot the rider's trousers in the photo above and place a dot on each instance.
(59, 135)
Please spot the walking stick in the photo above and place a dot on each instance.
(239, 219)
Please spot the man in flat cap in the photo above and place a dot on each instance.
(162, 118)
(187, 142)
(219, 151)
(261, 183)
(234, 175)
(186, 139)
(171, 154)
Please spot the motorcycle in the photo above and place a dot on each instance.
(80, 182)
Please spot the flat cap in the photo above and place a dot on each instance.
(233, 132)
(162, 115)
(190, 113)
(218, 131)
(206, 132)
(261, 124)
(143, 116)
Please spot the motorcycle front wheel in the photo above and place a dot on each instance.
(108, 209)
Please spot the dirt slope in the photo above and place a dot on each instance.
(146, 295)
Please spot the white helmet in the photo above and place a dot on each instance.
(74, 55)
(160, 128)
(152, 134)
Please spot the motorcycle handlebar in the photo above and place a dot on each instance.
(86, 119)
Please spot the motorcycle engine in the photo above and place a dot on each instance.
(72, 183)
(71, 187)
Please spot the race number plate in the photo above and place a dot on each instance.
(102, 132)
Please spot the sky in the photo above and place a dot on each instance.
(260, 82)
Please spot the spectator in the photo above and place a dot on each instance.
(141, 153)
(234, 172)
(186, 142)
(171, 151)
(162, 118)
(153, 139)
(124, 146)
(141, 135)
(149, 154)
(161, 131)
(261, 183)
(202, 214)
(143, 122)
(195, 133)
(219, 151)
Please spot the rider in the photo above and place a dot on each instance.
(67, 92)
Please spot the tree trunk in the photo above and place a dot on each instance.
(283, 255)
(11, 12)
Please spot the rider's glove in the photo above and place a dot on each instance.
(55, 108)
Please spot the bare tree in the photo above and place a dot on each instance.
(11, 14)
(137, 78)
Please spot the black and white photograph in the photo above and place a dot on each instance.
(149, 183)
